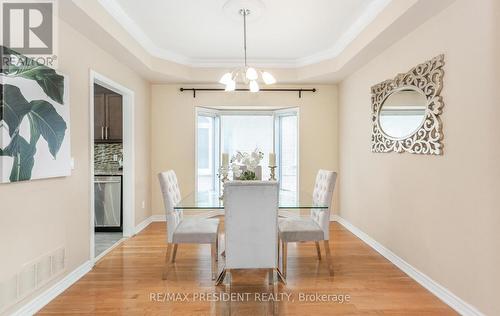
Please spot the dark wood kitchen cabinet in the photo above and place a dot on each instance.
(114, 118)
(99, 116)
(108, 116)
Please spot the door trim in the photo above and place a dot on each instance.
(128, 195)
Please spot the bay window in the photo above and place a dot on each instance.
(207, 151)
(228, 131)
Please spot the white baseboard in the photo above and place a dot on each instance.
(158, 218)
(145, 223)
(48, 295)
(105, 252)
(435, 288)
(441, 292)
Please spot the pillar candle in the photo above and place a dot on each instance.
(225, 159)
(272, 159)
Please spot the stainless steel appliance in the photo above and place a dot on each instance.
(108, 203)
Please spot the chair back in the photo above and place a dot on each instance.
(171, 197)
(323, 194)
(251, 224)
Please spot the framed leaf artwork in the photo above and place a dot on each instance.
(34, 120)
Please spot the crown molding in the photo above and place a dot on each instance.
(348, 36)
(238, 62)
(113, 8)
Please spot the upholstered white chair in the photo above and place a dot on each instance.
(185, 231)
(314, 228)
(251, 225)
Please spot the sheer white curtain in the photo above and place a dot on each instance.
(247, 132)
(288, 152)
(206, 153)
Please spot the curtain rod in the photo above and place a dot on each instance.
(266, 90)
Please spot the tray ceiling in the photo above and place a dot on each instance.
(287, 33)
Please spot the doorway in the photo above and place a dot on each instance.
(111, 164)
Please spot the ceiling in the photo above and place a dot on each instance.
(197, 41)
(281, 33)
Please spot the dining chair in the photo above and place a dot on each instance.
(314, 228)
(251, 225)
(182, 230)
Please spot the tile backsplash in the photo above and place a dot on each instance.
(103, 156)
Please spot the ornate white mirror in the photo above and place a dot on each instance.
(406, 110)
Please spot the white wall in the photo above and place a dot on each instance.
(439, 213)
(38, 217)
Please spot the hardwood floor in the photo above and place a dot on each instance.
(128, 281)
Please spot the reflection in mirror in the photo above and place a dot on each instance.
(402, 113)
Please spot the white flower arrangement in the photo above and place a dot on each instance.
(250, 160)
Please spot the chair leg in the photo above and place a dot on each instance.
(213, 250)
(328, 257)
(279, 271)
(271, 276)
(279, 254)
(167, 259)
(174, 253)
(217, 248)
(284, 257)
(229, 278)
(318, 250)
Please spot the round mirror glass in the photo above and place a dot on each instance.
(402, 113)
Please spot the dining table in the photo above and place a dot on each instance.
(291, 201)
(211, 203)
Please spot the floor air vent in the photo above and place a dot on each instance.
(31, 277)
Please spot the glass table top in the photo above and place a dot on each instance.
(210, 200)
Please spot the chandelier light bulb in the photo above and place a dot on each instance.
(254, 86)
(252, 73)
(268, 78)
(246, 74)
(230, 85)
(226, 78)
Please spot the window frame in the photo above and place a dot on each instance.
(217, 113)
(278, 114)
(215, 159)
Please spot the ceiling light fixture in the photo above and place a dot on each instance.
(247, 75)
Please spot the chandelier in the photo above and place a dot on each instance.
(247, 75)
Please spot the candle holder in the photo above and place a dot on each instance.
(273, 175)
